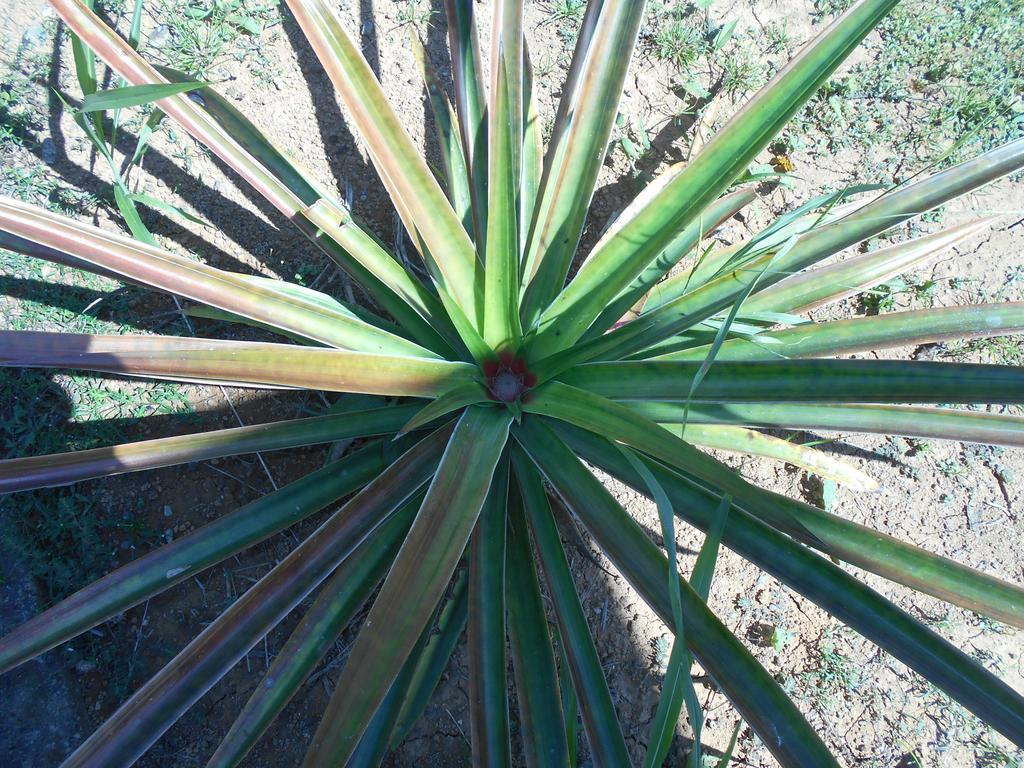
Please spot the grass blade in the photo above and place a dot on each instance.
(134, 95)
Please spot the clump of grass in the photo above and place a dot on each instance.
(942, 67)
(568, 10)
(680, 44)
(742, 72)
(197, 37)
(834, 673)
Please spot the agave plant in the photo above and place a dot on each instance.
(510, 369)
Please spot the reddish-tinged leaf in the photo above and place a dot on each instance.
(234, 362)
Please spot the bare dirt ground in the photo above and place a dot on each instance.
(957, 500)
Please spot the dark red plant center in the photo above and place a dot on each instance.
(507, 378)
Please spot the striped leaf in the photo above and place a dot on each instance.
(234, 362)
(753, 692)
(415, 583)
(158, 704)
(56, 469)
(728, 154)
(425, 211)
(282, 308)
(599, 720)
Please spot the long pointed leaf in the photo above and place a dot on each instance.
(451, 621)
(537, 690)
(505, 118)
(751, 689)
(63, 468)
(186, 359)
(134, 95)
(446, 125)
(941, 423)
(152, 709)
(425, 211)
(376, 739)
(740, 440)
(599, 719)
(841, 538)
(888, 210)
(814, 288)
(470, 103)
(184, 557)
(862, 334)
(624, 256)
(865, 381)
(169, 272)
(236, 142)
(827, 585)
(488, 668)
(576, 154)
(719, 211)
(416, 582)
(339, 600)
